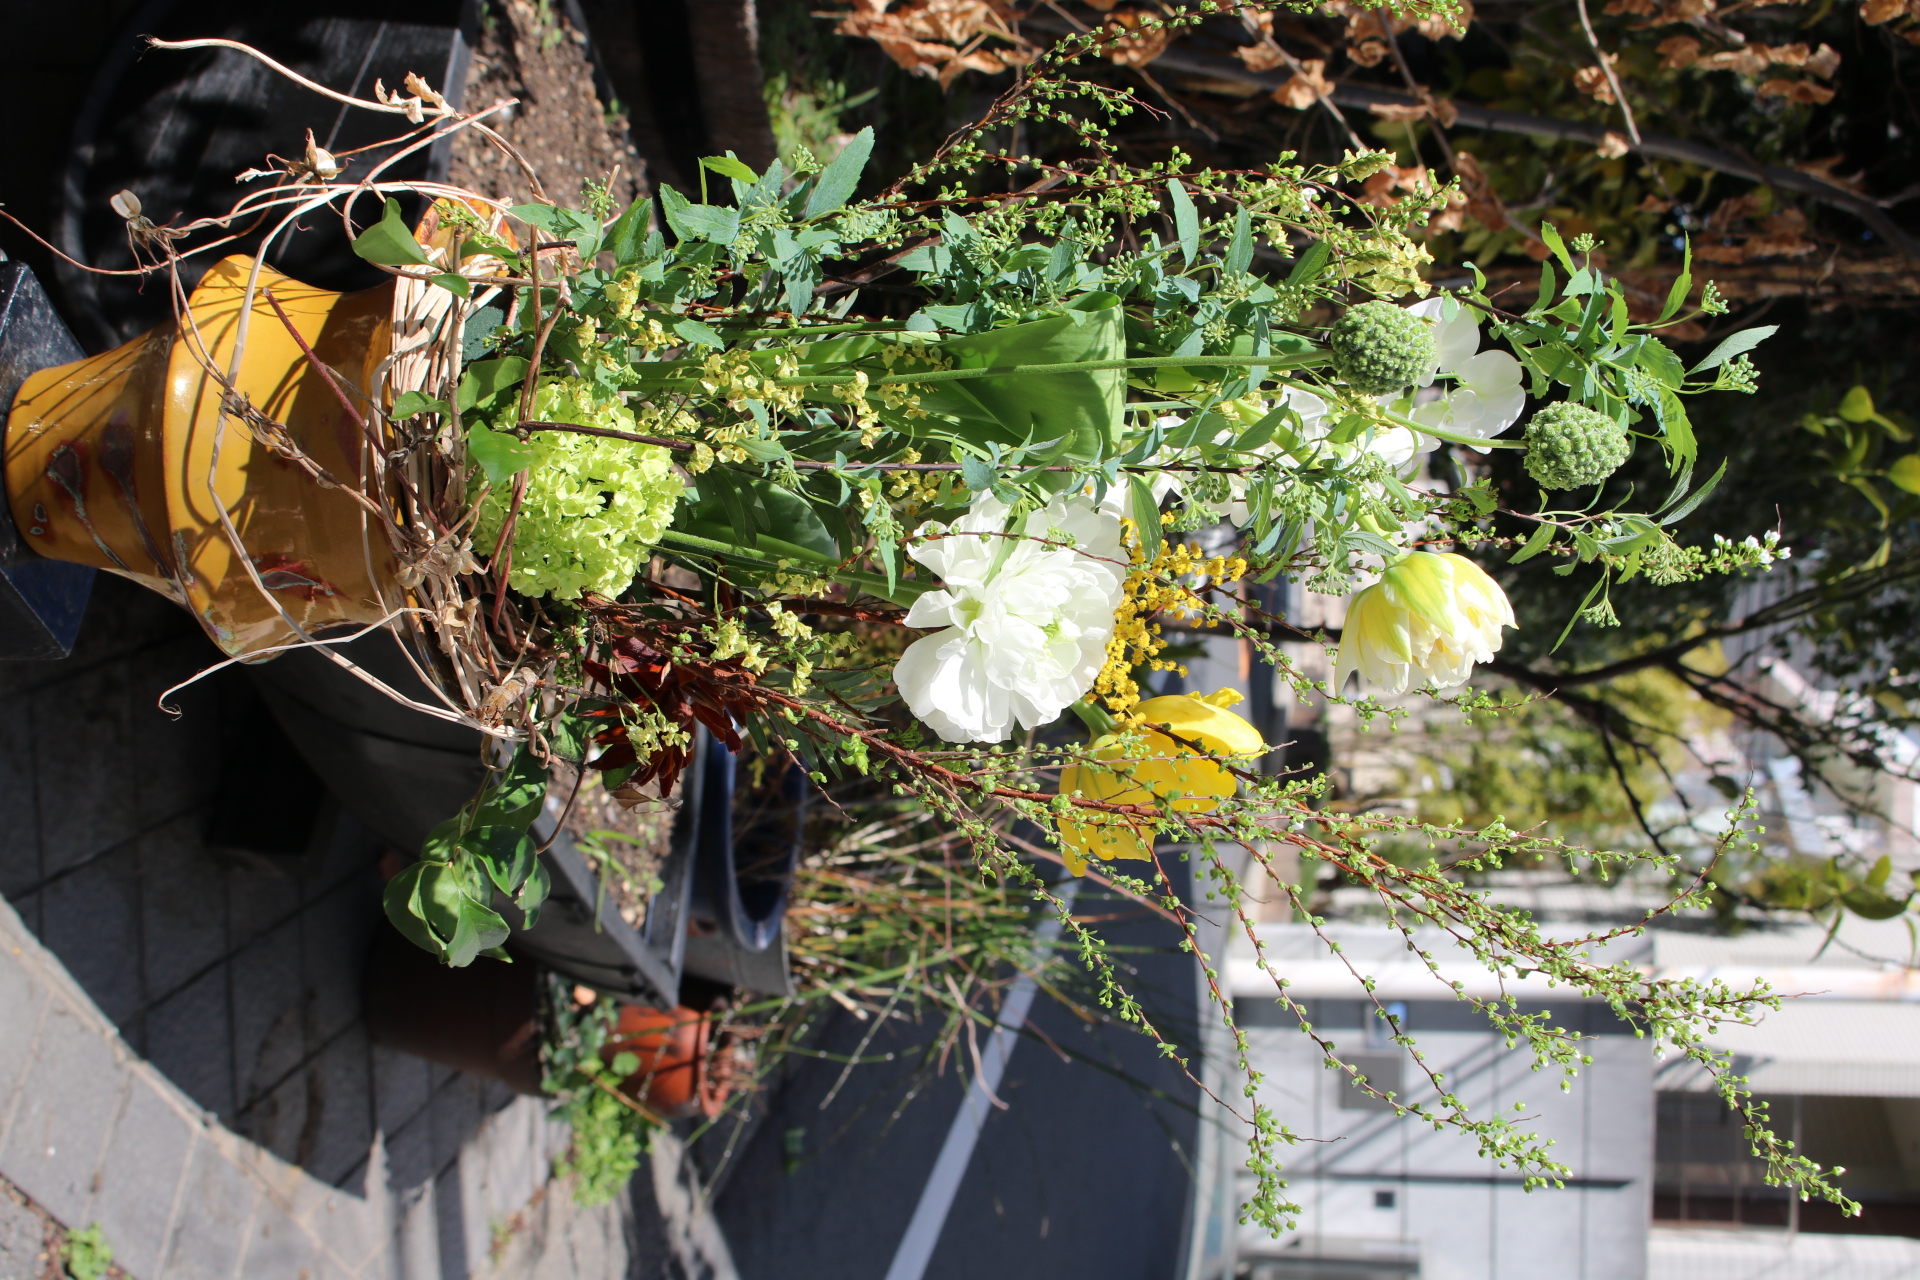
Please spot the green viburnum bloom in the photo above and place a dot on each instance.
(1379, 348)
(594, 507)
(1570, 446)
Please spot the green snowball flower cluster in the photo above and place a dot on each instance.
(1379, 348)
(594, 507)
(1570, 446)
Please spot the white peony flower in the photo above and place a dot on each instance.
(1024, 620)
(1487, 397)
(1431, 615)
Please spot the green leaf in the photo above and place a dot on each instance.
(1870, 904)
(457, 285)
(1734, 344)
(1905, 472)
(501, 456)
(836, 183)
(699, 334)
(533, 892)
(1857, 405)
(1877, 876)
(978, 474)
(699, 221)
(410, 404)
(1186, 221)
(478, 929)
(1310, 264)
(1551, 236)
(730, 167)
(629, 232)
(1536, 542)
(1549, 285)
(1146, 516)
(1240, 251)
(506, 853)
(1658, 359)
(485, 379)
(1685, 509)
(390, 241)
(404, 907)
(514, 798)
(1682, 286)
(1083, 410)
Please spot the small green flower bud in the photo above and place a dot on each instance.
(1379, 348)
(1569, 446)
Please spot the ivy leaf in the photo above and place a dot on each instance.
(404, 907)
(410, 404)
(514, 799)
(485, 379)
(477, 929)
(389, 242)
(1186, 221)
(501, 455)
(836, 183)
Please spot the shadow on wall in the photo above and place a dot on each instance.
(234, 963)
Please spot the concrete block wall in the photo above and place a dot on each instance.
(181, 1050)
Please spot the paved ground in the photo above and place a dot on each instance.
(1085, 1173)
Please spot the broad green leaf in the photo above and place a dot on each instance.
(730, 167)
(1146, 516)
(757, 517)
(404, 907)
(1682, 286)
(410, 404)
(629, 232)
(390, 241)
(533, 892)
(1905, 472)
(1734, 344)
(1186, 221)
(1658, 359)
(1310, 264)
(1240, 251)
(1082, 409)
(1857, 405)
(485, 379)
(1551, 236)
(1870, 904)
(458, 285)
(501, 455)
(507, 854)
(1536, 543)
(543, 216)
(478, 929)
(1549, 285)
(836, 183)
(514, 798)
(699, 334)
(699, 221)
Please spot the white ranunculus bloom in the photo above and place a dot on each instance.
(1487, 397)
(1429, 615)
(1024, 620)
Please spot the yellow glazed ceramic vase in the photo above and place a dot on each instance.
(126, 462)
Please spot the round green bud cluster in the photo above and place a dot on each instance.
(1379, 348)
(1569, 446)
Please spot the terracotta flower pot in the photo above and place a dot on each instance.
(676, 1053)
(126, 462)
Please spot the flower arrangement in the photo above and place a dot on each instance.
(654, 476)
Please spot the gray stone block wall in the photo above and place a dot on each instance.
(183, 1056)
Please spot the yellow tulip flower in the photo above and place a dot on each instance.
(1164, 772)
